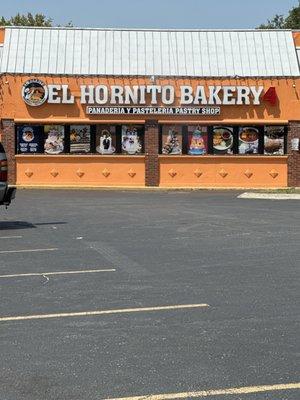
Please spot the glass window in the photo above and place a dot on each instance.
(132, 139)
(30, 139)
(223, 140)
(274, 140)
(54, 139)
(171, 139)
(197, 140)
(248, 140)
(106, 139)
(80, 138)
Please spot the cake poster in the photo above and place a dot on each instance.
(106, 139)
(131, 140)
(274, 140)
(248, 140)
(223, 140)
(172, 140)
(197, 139)
(55, 138)
(80, 138)
(30, 139)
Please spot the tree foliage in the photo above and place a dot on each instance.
(292, 21)
(28, 20)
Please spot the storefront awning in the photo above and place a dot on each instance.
(170, 53)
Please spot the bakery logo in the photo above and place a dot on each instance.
(34, 92)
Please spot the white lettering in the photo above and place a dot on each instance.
(101, 94)
(243, 93)
(142, 94)
(87, 94)
(214, 95)
(228, 94)
(167, 94)
(153, 90)
(131, 94)
(53, 97)
(256, 94)
(200, 96)
(186, 96)
(117, 95)
(66, 99)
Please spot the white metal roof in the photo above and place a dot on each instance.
(193, 53)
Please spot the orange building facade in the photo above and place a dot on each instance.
(89, 130)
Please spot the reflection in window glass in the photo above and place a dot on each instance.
(248, 140)
(30, 139)
(171, 140)
(223, 140)
(197, 140)
(80, 139)
(132, 139)
(274, 140)
(106, 139)
(55, 138)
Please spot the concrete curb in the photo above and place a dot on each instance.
(270, 196)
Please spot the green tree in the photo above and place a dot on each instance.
(28, 20)
(278, 22)
(292, 21)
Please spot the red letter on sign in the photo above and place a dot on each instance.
(270, 96)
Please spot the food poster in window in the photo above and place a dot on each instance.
(171, 140)
(80, 139)
(106, 139)
(223, 140)
(274, 140)
(132, 139)
(55, 137)
(248, 140)
(30, 139)
(197, 140)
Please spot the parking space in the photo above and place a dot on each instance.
(110, 294)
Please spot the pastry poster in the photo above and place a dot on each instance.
(30, 139)
(55, 138)
(274, 140)
(248, 140)
(80, 139)
(223, 140)
(106, 139)
(131, 140)
(197, 139)
(171, 140)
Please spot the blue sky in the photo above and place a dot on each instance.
(154, 13)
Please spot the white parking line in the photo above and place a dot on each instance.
(11, 237)
(217, 392)
(27, 250)
(102, 312)
(87, 271)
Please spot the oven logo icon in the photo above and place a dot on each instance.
(34, 92)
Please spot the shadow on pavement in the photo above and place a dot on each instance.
(25, 225)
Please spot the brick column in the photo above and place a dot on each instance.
(8, 141)
(294, 156)
(151, 153)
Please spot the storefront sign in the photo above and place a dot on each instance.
(154, 110)
(35, 93)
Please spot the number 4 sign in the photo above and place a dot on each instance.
(271, 96)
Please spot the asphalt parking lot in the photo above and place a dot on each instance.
(143, 257)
